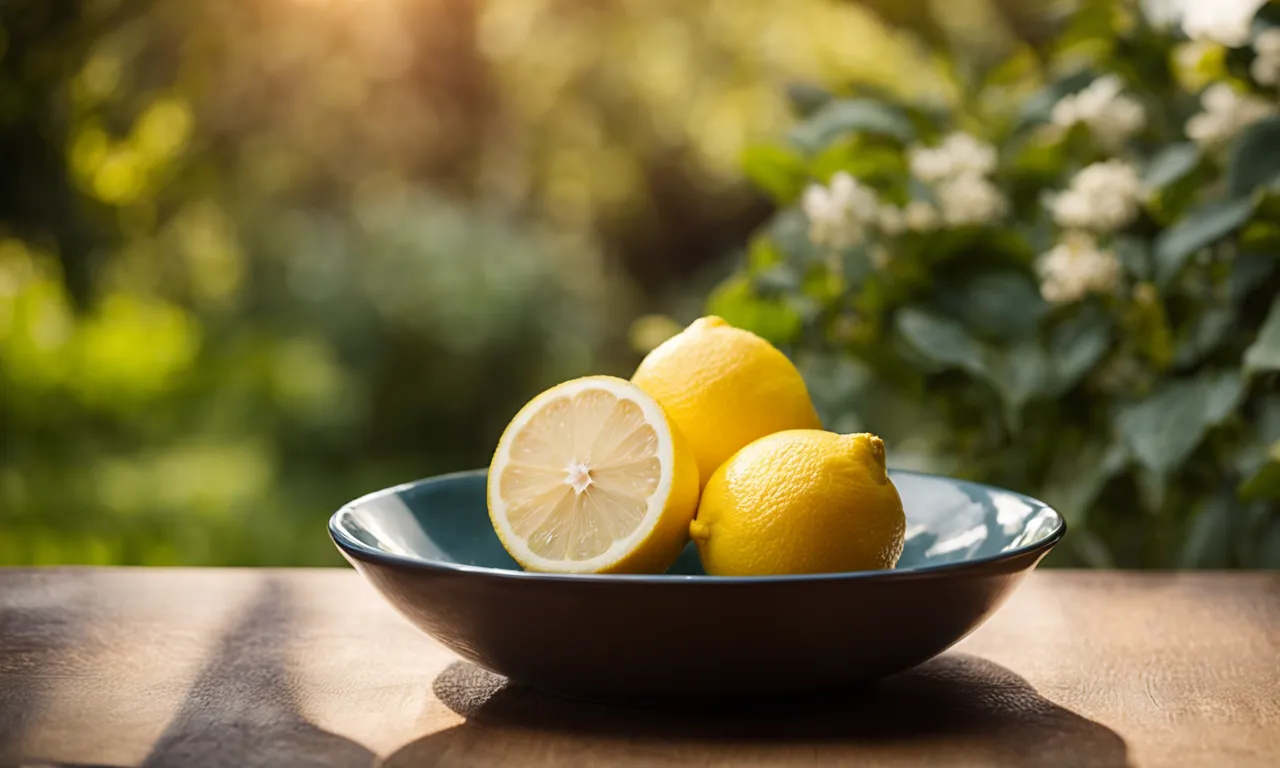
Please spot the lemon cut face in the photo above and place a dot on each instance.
(592, 477)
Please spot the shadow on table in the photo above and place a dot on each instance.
(976, 710)
(242, 711)
(38, 624)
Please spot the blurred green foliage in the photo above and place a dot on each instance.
(260, 257)
(1123, 364)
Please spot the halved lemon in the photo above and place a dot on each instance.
(592, 477)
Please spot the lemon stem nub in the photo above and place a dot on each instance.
(877, 451)
(877, 455)
(871, 447)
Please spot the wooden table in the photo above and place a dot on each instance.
(237, 668)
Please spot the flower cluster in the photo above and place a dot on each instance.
(1118, 264)
(1112, 116)
(1225, 22)
(1266, 63)
(1076, 266)
(843, 214)
(958, 155)
(959, 170)
(1103, 197)
(840, 213)
(1222, 21)
(1226, 113)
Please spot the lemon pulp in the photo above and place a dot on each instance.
(591, 476)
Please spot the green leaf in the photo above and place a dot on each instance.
(1264, 485)
(1076, 345)
(941, 340)
(1267, 423)
(1077, 477)
(843, 116)
(1255, 159)
(1000, 305)
(1164, 429)
(875, 164)
(1153, 489)
(1171, 164)
(834, 382)
(1134, 254)
(1222, 393)
(1201, 228)
(1264, 353)
(763, 253)
(738, 303)
(777, 280)
(1268, 553)
(1208, 542)
(776, 171)
(1203, 334)
(1018, 374)
(807, 98)
(789, 231)
(1147, 325)
(1249, 271)
(1091, 548)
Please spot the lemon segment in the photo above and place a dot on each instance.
(725, 387)
(592, 477)
(801, 501)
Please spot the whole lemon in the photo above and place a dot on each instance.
(801, 501)
(725, 387)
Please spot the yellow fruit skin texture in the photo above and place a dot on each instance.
(725, 387)
(660, 549)
(801, 501)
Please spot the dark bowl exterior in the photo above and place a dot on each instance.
(654, 639)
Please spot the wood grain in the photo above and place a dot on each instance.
(125, 667)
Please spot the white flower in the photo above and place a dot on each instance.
(920, 216)
(891, 220)
(959, 154)
(1075, 267)
(1226, 113)
(1162, 14)
(957, 168)
(1266, 64)
(839, 213)
(1110, 115)
(1222, 21)
(970, 199)
(1102, 197)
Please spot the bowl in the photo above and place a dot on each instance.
(429, 549)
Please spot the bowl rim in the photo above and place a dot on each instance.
(354, 548)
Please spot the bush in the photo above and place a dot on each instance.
(1062, 280)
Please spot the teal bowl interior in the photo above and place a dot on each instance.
(444, 522)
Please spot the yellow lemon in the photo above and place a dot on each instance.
(592, 477)
(725, 387)
(801, 501)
